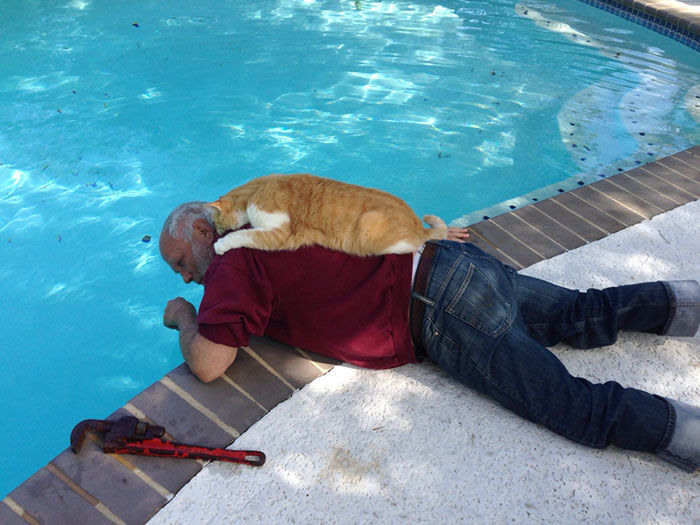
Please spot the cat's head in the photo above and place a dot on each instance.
(219, 208)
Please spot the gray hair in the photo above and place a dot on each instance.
(179, 223)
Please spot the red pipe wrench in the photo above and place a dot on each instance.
(128, 435)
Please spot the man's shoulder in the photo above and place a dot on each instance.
(227, 266)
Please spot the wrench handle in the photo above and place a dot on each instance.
(162, 448)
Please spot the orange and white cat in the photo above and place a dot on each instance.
(286, 212)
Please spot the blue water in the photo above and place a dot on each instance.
(112, 113)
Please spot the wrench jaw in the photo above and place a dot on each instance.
(118, 433)
(127, 430)
(82, 429)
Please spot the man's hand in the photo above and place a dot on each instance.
(457, 234)
(206, 359)
(179, 313)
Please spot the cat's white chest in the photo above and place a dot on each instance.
(265, 220)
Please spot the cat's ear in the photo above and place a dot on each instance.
(216, 204)
(202, 230)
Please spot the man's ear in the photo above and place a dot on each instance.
(202, 230)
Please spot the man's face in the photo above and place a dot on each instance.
(189, 259)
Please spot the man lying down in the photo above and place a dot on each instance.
(476, 318)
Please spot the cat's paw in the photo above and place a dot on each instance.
(221, 247)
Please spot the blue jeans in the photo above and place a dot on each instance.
(488, 327)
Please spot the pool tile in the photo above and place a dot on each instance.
(180, 419)
(643, 191)
(257, 381)
(221, 398)
(636, 4)
(664, 187)
(668, 174)
(674, 18)
(318, 360)
(589, 212)
(49, 500)
(608, 206)
(171, 474)
(528, 235)
(691, 156)
(688, 166)
(549, 227)
(284, 360)
(107, 480)
(653, 11)
(9, 516)
(476, 238)
(563, 215)
(617, 202)
(506, 243)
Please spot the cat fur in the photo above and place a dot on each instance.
(286, 212)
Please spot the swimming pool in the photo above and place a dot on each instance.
(113, 114)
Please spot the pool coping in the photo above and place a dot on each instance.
(682, 14)
(101, 488)
(672, 18)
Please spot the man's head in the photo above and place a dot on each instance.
(187, 238)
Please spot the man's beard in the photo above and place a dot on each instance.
(203, 255)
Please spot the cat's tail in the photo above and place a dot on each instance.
(438, 228)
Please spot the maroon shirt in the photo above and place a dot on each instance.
(351, 308)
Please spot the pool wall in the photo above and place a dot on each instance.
(677, 20)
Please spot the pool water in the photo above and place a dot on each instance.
(112, 113)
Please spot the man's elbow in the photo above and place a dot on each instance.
(210, 360)
(208, 373)
(207, 376)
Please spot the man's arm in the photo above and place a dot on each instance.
(207, 360)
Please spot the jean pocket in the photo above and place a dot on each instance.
(480, 304)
